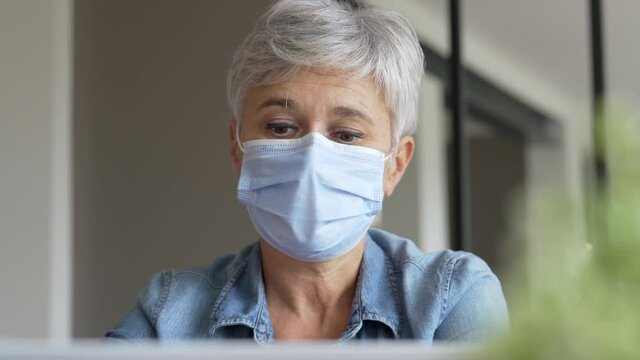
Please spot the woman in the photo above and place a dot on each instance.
(325, 97)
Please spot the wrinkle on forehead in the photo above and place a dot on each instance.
(368, 98)
(336, 79)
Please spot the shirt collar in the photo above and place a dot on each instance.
(376, 297)
(242, 301)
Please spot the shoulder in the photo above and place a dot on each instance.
(213, 276)
(188, 285)
(447, 272)
(449, 294)
(407, 257)
(474, 307)
(178, 302)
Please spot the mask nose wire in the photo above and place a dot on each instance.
(238, 137)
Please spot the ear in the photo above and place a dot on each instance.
(397, 165)
(236, 154)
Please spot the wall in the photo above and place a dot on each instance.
(418, 208)
(154, 184)
(34, 164)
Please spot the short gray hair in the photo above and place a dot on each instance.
(335, 35)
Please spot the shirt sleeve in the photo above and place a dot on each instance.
(474, 305)
(140, 321)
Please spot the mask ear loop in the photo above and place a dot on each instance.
(394, 149)
(238, 137)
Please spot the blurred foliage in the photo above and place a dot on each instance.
(578, 295)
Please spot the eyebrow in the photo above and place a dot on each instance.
(281, 102)
(340, 111)
(343, 111)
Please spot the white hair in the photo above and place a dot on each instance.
(335, 35)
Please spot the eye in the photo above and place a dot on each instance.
(281, 129)
(348, 137)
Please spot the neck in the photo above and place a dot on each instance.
(310, 287)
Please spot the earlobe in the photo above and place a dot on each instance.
(401, 161)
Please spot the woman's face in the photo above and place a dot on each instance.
(345, 110)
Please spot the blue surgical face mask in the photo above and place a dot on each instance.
(311, 198)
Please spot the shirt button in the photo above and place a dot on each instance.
(262, 328)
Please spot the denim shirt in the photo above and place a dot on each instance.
(400, 293)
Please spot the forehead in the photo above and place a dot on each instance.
(331, 79)
(326, 88)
